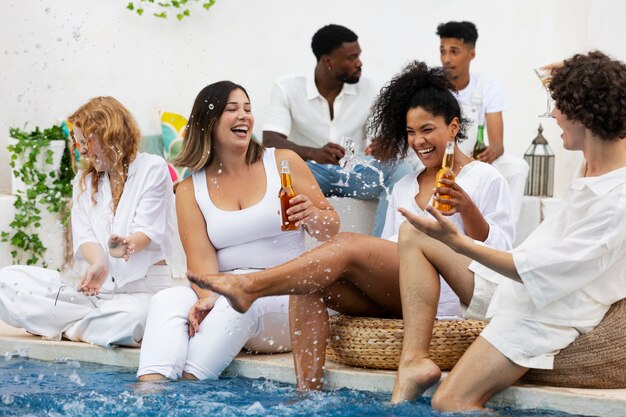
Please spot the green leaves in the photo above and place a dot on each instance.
(164, 6)
(51, 191)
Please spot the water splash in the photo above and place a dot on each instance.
(349, 162)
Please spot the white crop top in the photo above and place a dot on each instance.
(251, 237)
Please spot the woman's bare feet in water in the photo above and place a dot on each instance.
(413, 379)
(230, 286)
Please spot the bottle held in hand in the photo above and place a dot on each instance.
(480, 142)
(445, 173)
(285, 194)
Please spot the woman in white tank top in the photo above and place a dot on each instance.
(229, 221)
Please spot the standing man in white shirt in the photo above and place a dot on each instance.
(312, 115)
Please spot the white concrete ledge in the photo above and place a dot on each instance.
(605, 403)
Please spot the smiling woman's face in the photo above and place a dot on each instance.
(234, 127)
(427, 135)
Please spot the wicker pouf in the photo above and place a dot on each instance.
(595, 360)
(377, 343)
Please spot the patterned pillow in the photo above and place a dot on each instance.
(173, 129)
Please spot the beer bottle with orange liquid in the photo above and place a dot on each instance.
(285, 194)
(445, 173)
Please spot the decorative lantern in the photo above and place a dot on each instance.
(540, 159)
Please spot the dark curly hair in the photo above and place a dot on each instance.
(416, 86)
(329, 38)
(466, 31)
(591, 89)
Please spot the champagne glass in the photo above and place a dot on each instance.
(545, 75)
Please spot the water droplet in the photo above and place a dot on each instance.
(38, 46)
(48, 10)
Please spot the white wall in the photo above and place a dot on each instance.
(56, 54)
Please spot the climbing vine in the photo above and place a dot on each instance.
(162, 9)
(51, 191)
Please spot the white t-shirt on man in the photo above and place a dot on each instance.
(481, 96)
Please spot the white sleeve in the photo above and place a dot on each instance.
(152, 213)
(588, 247)
(279, 115)
(496, 207)
(493, 98)
(82, 228)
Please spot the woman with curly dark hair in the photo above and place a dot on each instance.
(552, 288)
(357, 274)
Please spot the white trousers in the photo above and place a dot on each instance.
(41, 302)
(168, 350)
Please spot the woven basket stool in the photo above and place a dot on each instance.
(595, 360)
(377, 343)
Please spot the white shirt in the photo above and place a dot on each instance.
(481, 96)
(573, 266)
(146, 206)
(484, 185)
(487, 189)
(298, 111)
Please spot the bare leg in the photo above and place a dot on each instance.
(422, 260)
(481, 373)
(308, 321)
(371, 264)
(152, 377)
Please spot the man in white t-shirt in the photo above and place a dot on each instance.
(482, 102)
(481, 99)
(314, 115)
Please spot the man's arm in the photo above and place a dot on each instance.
(330, 153)
(495, 132)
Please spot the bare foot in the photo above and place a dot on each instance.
(413, 379)
(230, 286)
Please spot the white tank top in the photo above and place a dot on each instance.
(249, 238)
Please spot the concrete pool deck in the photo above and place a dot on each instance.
(590, 402)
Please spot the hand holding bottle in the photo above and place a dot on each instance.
(453, 197)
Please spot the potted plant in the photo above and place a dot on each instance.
(42, 176)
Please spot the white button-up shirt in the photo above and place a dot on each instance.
(298, 111)
(146, 206)
(573, 266)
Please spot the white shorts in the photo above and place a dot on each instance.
(530, 344)
(481, 297)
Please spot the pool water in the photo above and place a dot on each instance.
(69, 388)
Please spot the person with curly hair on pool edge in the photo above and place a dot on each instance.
(555, 286)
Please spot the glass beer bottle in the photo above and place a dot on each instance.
(445, 173)
(285, 194)
(480, 142)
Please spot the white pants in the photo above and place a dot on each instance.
(41, 302)
(168, 350)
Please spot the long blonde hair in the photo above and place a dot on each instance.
(120, 135)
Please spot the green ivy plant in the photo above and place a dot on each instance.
(179, 7)
(50, 191)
